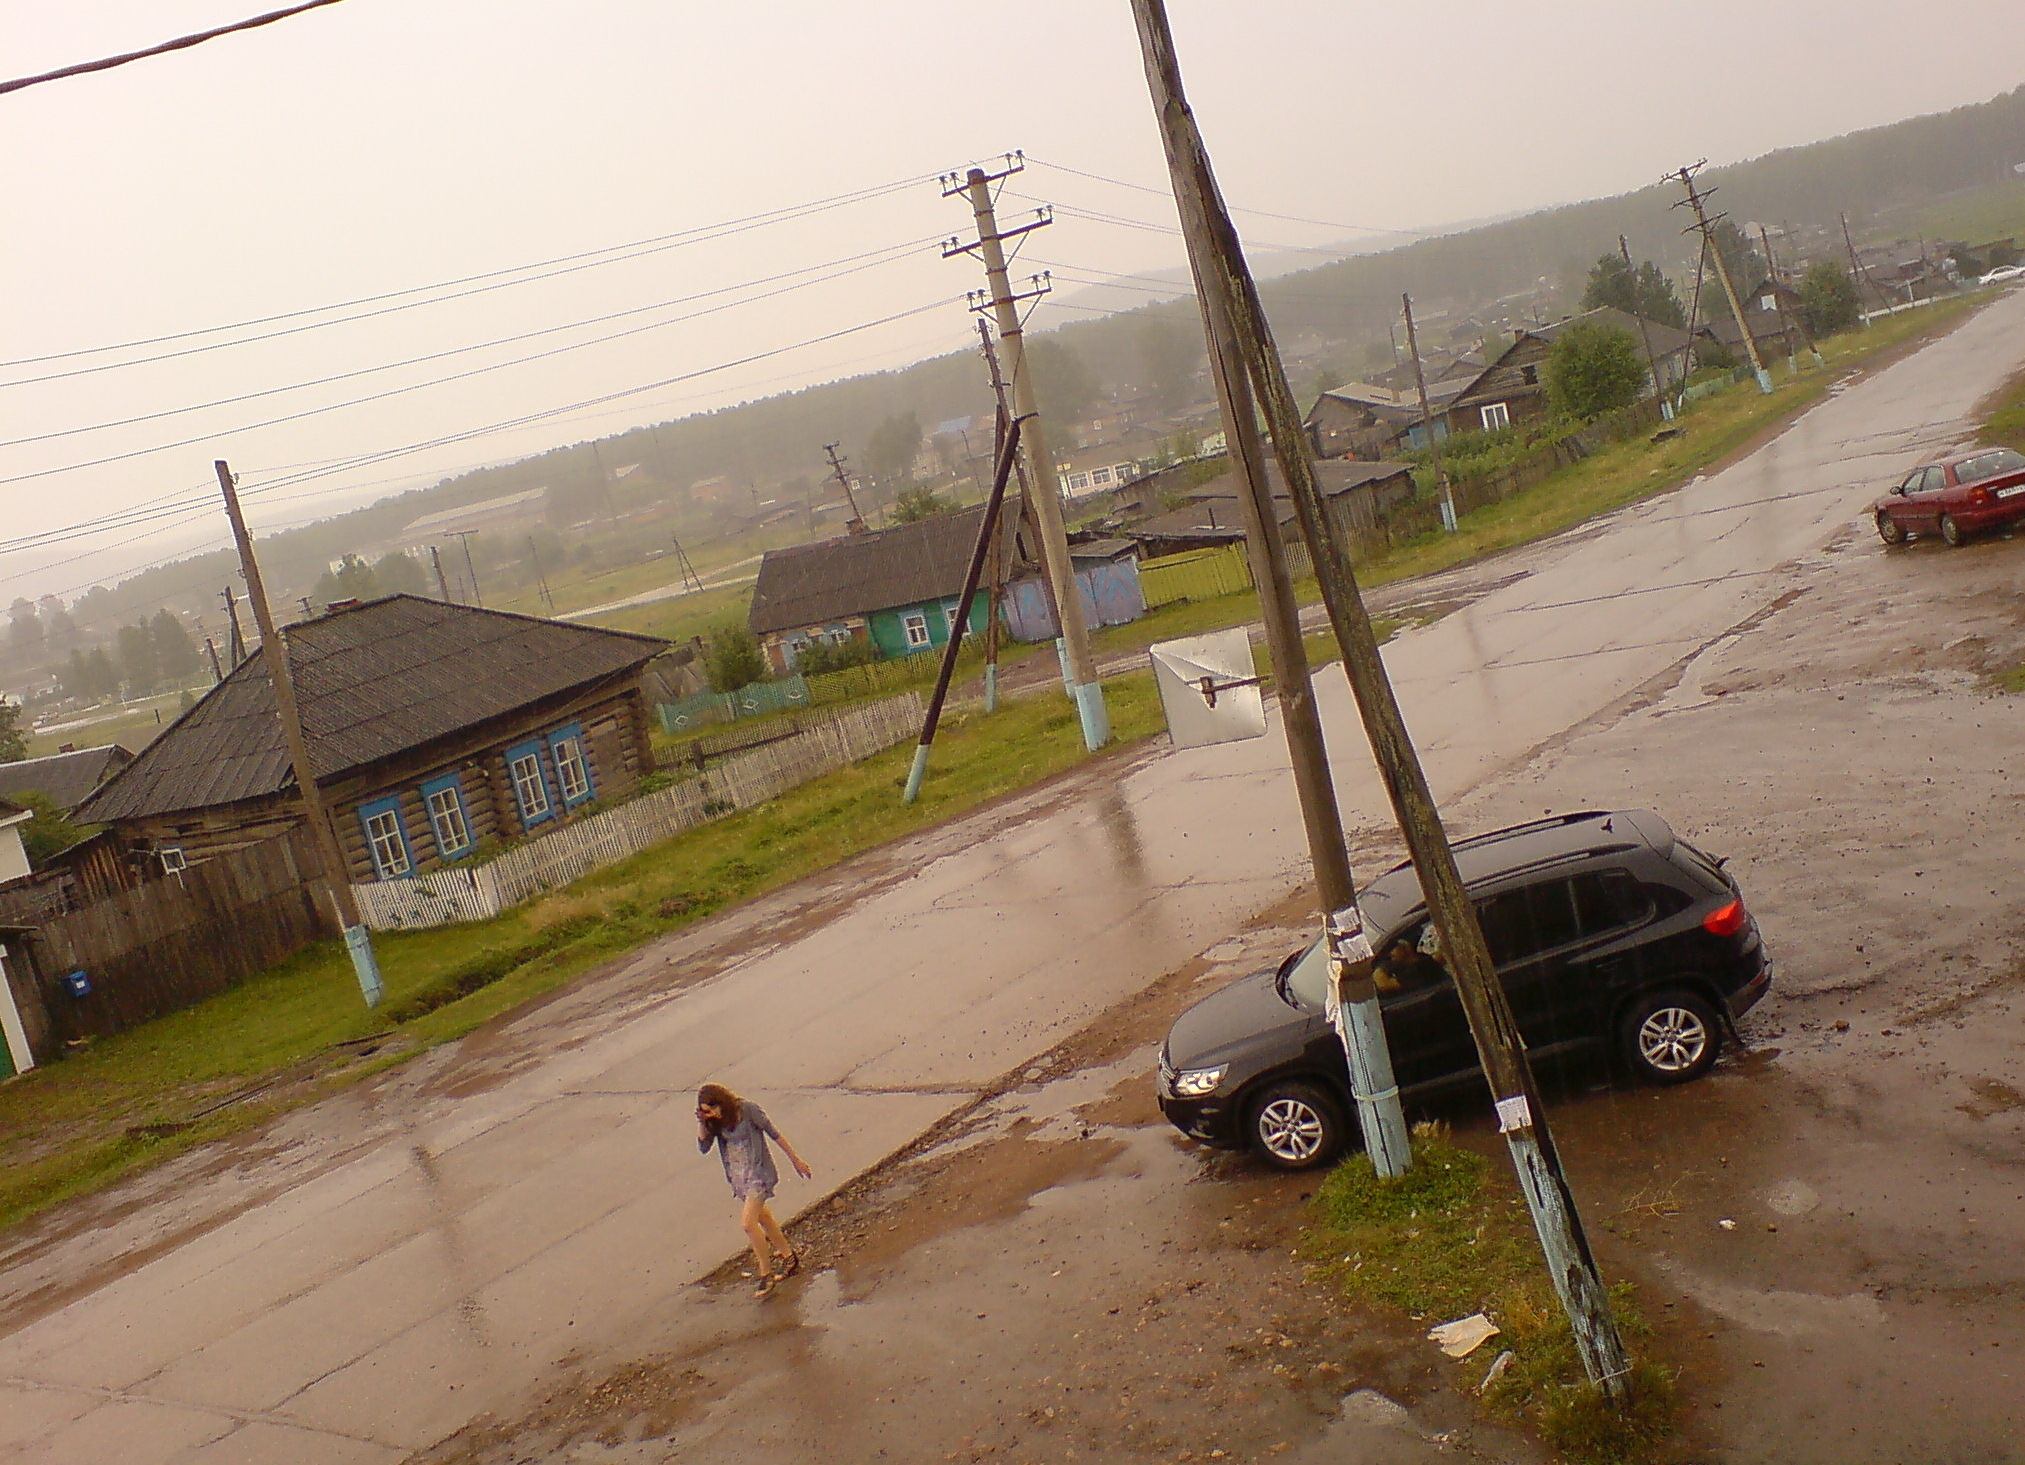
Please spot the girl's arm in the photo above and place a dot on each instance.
(801, 1166)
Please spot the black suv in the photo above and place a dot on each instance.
(1610, 934)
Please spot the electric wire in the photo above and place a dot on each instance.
(583, 260)
(180, 43)
(1234, 208)
(849, 265)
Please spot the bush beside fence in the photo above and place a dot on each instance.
(476, 893)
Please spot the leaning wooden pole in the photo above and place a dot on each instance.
(274, 648)
(1220, 268)
(986, 533)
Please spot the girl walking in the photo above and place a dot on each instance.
(739, 1129)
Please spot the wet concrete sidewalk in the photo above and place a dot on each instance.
(416, 1254)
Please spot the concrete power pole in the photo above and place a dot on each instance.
(1696, 201)
(463, 537)
(1645, 334)
(358, 940)
(1448, 521)
(1218, 259)
(1858, 275)
(442, 583)
(1080, 671)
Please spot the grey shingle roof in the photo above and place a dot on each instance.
(63, 778)
(810, 584)
(372, 681)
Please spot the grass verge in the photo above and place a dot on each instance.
(1451, 1238)
(292, 1033)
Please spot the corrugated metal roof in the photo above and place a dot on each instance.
(371, 681)
(63, 778)
(812, 584)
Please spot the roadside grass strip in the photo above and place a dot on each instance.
(1450, 1239)
(295, 1032)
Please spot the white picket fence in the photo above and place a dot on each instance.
(477, 892)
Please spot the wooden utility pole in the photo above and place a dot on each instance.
(856, 523)
(1003, 425)
(1786, 323)
(1644, 333)
(1218, 258)
(358, 941)
(211, 650)
(1858, 276)
(463, 537)
(953, 647)
(534, 556)
(235, 648)
(1697, 200)
(1080, 670)
(1448, 520)
(442, 584)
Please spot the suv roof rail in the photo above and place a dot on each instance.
(1532, 826)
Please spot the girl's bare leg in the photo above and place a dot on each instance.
(755, 1220)
(771, 1227)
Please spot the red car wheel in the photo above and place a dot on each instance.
(1889, 529)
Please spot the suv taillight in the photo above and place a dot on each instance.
(1727, 920)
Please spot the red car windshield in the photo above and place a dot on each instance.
(1989, 465)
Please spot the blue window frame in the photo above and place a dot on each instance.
(571, 763)
(449, 821)
(525, 770)
(386, 841)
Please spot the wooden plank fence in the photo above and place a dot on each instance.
(739, 781)
(1196, 574)
(171, 942)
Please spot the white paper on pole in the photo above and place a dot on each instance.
(1179, 668)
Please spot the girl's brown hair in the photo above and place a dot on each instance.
(723, 1100)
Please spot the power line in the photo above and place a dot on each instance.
(1257, 213)
(850, 264)
(621, 253)
(181, 43)
(162, 511)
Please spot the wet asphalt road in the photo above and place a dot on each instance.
(367, 1277)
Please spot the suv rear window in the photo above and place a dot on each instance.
(1522, 923)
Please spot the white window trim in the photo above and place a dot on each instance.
(174, 861)
(1494, 415)
(912, 622)
(525, 785)
(446, 815)
(571, 776)
(383, 838)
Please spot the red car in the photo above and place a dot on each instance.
(1955, 497)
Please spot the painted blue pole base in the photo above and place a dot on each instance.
(1765, 382)
(916, 773)
(359, 945)
(1096, 717)
(1666, 411)
(1448, 520)
(991, 687)
(1062, 655)
(1380, 1117)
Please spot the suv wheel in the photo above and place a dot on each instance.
(1671, 1037)
(1295, 1126)
(1889, 529)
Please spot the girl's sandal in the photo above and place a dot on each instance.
(767, 1282)
(790, 1264)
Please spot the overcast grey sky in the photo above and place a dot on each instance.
(380, 145)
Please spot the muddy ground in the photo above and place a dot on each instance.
(1826, 1233)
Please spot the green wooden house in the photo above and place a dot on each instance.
(897, 588)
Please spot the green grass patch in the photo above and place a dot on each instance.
(1451, 1238)
(291, 1033)
(2005, 426)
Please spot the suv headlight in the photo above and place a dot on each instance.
(1193, 1083)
